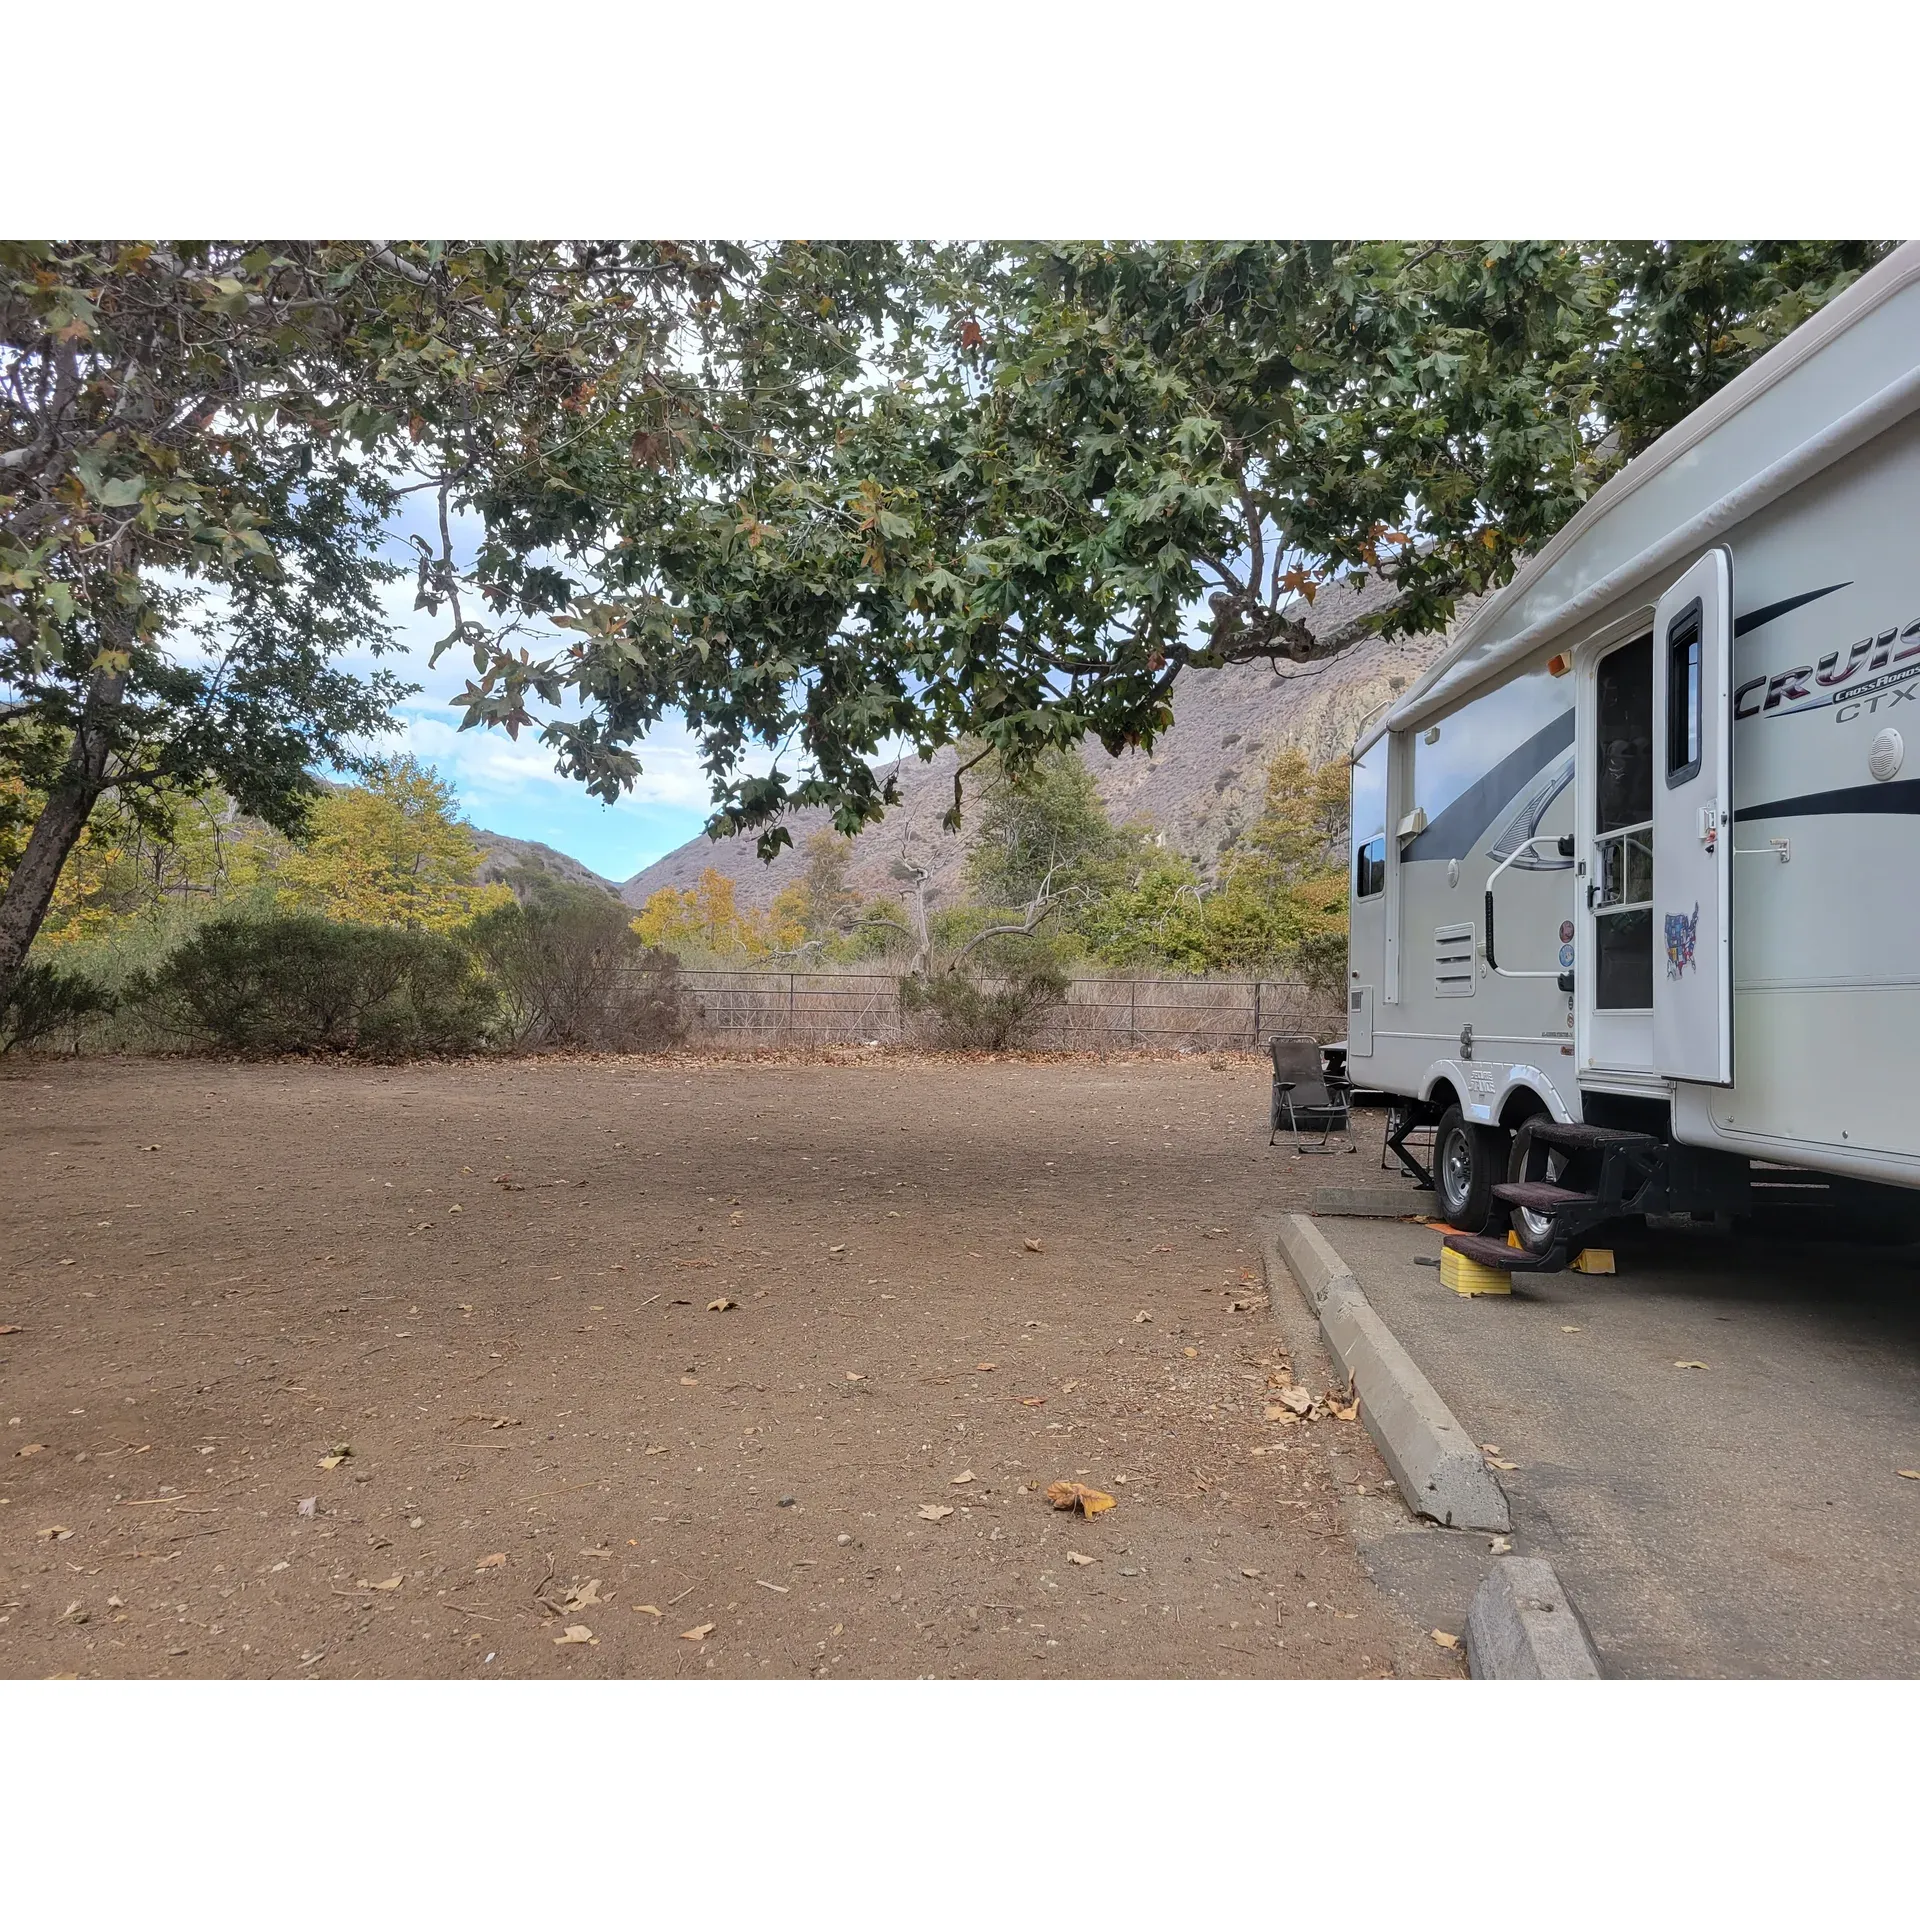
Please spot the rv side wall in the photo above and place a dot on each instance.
(1826, 945)
(1491, 779)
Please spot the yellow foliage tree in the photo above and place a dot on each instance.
(181, 854)
(708, 915)
(390, 852)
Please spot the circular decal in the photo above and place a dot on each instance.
(1566, 956)
(1566, 931)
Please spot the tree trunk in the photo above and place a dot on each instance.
(57, 831)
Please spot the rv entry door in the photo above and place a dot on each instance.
(1692, 837)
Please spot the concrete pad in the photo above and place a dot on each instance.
(1742, 1519)
(1439, 1470)
(1522, 1626)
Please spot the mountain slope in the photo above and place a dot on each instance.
(500, 854)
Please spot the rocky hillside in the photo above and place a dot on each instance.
(501, 854)
(1201, 785)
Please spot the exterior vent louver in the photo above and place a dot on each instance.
(1453, 962)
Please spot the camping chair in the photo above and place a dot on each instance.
(1306, 1100)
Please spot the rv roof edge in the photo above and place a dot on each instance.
(1893, 402)
(1473, 659)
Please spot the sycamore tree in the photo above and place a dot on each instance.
(202, 450)
(1010, 494)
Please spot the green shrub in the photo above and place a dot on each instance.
(296, 983)
(46, 1001)
(989, 1006)
(569, 970)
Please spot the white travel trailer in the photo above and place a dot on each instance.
(1636, 877)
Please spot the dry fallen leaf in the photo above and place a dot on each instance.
(385, 1586)
(1142, 1319)
(12, 1329)
(1079, 1559)
(931, 1512)
(988, 1366)
(576, 1636)
(492, 1560)
(597, 1553)
(38, 1446)
(1908, 1473)
(856, 1376)
(961, 1479)
(655, 1611)
(1501, 1545)
(1296, 1398)
(309, 1506)
(1283, 1413)
(1033, 1246)
(1070, 1496)
(722, 1305)
(1192, 1353)
(1034, 1400)
(54, 1533)
(1699, 1366)
(583, 1593)
(1505, 1466)
(698, 1633)
(1445, 1639)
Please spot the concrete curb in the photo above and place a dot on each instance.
(1522, 1626)
(1438, 1468)
(1369, 1203)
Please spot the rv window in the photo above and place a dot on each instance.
(1369, 822)
(1683, 697)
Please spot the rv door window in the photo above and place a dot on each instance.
(1683, 697)
(1622, 881)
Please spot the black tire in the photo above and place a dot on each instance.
(1535, 1232)
(1467, 1160)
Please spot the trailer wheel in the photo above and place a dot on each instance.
(1466, 1163)
(1535, 1231)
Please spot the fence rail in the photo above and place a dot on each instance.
(750, 1008)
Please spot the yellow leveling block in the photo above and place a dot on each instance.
(1587, 1260)
(1468, 1277)
(1464, 1276)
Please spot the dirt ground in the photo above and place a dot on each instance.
(481, 1292)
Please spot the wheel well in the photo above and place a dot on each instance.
(1523, 1104)
(1442, 1095)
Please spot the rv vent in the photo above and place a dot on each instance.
(1453, 962)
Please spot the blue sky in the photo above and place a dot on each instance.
(512, 786)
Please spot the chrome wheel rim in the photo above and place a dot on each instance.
(1537, 1228)
(1456, 1171)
